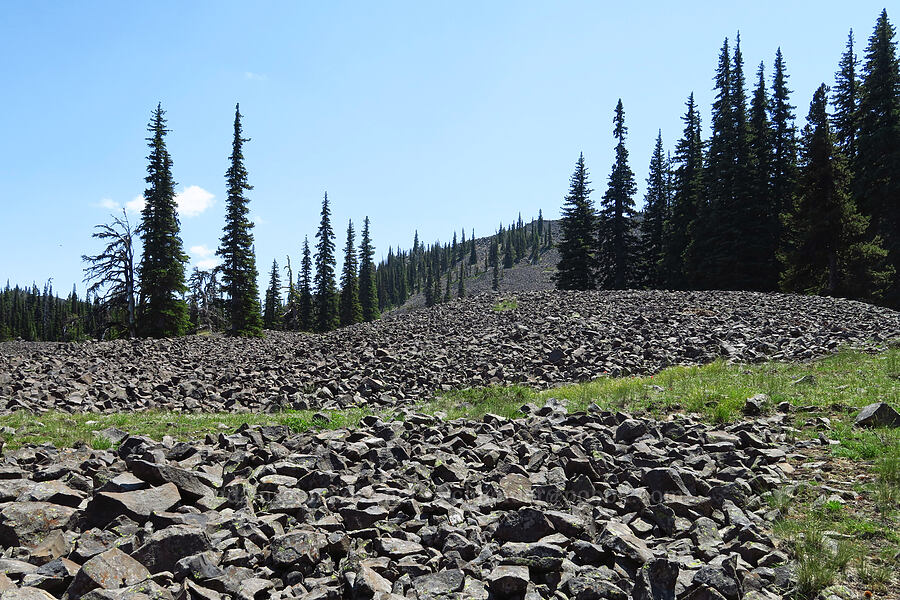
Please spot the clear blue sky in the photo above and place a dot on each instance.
(422, 115)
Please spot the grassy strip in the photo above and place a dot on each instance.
(716, 391)
(65, 430)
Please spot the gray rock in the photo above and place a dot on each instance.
(112, 569)
(879, 414)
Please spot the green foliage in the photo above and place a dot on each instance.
(350, 307)
(32, 315)
(505, 305)
(368, 289)
(656, 208)
(272, 307)
(577, 259)
(617, 237)
(236, 245)
(305, 289)
(161, 311)
(326, 309)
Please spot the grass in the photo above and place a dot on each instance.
(505, 305)
(716, 391)
(66, 430)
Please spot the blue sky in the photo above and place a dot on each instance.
(422, 115)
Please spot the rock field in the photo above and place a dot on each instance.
(589, 506)
(549, 338)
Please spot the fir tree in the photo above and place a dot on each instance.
(368, 291)
(618, 241)
(826, 253)
(784, 142)
(350, 307)
(686, 198)
(461, 284)
(326, 310)
(162, 312)
(877, 166)
(306, 317)
(575, 270)
(508, 256)
(845, 99)
(272, 306)
(473, 257)
(236, 246)
(429, 286)
(656, 207)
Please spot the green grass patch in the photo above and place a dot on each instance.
(506, 304)
(65, 430)
(718, 391)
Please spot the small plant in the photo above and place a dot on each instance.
(781, 500)
(506, 304)
(873, 576)
(101, 442)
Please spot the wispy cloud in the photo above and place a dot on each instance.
(108, 204)
(193, 200)
(257, 220)
(135, 205)
(203, 257)
(201, 251)
(207, 263)
(255, 76)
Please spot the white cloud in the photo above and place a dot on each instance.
(109, 204)
(135, 205)
(193, 200)
(255, 76)
(201, 251)
(207, 264)
(257, 220)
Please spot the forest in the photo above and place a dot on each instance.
(758, 204)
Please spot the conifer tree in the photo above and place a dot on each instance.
(577, 258)
(306, 318)
(430, 299)
(825, 251)
(760, 214)
(447, 287)
(236, 246)
(473, 257)
(162, 312)
(784, 141)
(845, 99)
(686, 198)
(350, 307)
(368, 291)
(508, 256)
(272, 306)
(325, 301)
(877, 166)
(461, 284)
(618, 241)
(656, 207)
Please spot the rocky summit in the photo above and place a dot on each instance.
(538, 338)
(592, 505)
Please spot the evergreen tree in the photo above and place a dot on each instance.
(236, 246)
(761, 215)
(686, 198)
(826, 253)
(351, 309)
(473, 258)
(162, 312)
(368, 291)
(304, 286)
(577, 260)
(845, 100)
(272, 307)
(508, 256)
(877, 166)
(618, 241)
(784, 144)
(461, 284)
(430, 299)
(656, 208)
(326, 310)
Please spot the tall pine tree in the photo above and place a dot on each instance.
(784, 141)
(877, 166)
(618, 241)
(826, 252)
(162, 311)
(368, 291)
(350, 307)
(656, 208)
(236, 246)
(686, 197)
(305, 290)
(575, 270)
(845, 99)
(326, 309)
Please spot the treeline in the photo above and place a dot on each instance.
(439, 270)
(758, 205)
(33, 314)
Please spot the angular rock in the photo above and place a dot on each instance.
(112, 569)
(878, 414)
